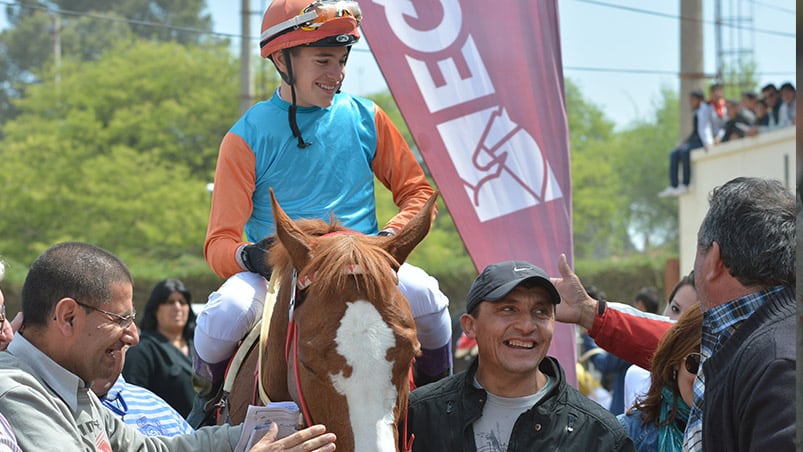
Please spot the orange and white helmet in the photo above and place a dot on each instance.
(322, 23)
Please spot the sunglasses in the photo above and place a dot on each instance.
(693, 363)
(124, 321)
(313, 16)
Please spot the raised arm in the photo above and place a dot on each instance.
(628, 336)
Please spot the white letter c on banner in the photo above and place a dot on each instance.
(434, 40)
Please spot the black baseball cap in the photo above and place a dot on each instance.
(497, 280)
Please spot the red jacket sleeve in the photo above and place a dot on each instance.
(630, 337)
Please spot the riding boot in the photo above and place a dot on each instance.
(207, 380)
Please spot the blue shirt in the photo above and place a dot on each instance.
(143, 409)
(331, 176)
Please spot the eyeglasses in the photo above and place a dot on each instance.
(693, 362)
(313, 16)
(2, 314)
(124, 321)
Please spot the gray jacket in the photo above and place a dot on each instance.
(50, 408)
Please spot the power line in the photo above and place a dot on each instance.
(199, 31)
(677, 17)
(775, 7)
(650, 71)
(66, 12)
(620, 70)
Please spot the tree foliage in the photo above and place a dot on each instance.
(596, 206)
(45, 31)
(641, 161)
(116, 144)
(118, 152)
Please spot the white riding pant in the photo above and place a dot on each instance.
(233, 309)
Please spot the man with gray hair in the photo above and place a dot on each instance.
(744, 273)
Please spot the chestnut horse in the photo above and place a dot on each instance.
(352, 336)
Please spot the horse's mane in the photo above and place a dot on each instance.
(332, 256)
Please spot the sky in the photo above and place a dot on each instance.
(621, 53)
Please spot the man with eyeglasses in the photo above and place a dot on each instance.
(68, 341)
(321, 151)
(744, 274)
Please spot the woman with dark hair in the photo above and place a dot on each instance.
(658, 419)
(162, 362)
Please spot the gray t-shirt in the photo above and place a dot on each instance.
(492, 430)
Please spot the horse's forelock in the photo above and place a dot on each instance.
(334, 256)
(279, 258)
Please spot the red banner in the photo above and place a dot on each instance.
(480, 85)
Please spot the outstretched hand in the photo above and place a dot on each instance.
(312, 438)
(576, 306)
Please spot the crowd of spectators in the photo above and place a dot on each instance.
(718, 119)
(775, 109)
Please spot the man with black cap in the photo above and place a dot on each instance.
(513, 397)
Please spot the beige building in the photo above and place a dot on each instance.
(769, 155)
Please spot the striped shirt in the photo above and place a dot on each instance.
(8, 442)
(719, 324)
(139, 407)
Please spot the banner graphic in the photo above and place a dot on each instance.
(480, 85)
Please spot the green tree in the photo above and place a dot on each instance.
(599, 227)
(118, 152)
(42, 31)
(641, 161)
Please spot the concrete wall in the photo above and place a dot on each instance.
(769, 155)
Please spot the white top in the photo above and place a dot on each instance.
(637, 383)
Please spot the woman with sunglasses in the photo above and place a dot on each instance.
(658, 419)
(320, 150)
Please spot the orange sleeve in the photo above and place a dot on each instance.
(232, 204)
(396, 167)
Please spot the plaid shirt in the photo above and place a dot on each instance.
(719, 324)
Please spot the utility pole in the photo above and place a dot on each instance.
(56, 33)
(246, 77)
(692, 70)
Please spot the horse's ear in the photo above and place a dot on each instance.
(401, 245)
(295, 241)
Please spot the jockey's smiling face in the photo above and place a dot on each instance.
(318, 73)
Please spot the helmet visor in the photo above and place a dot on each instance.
(313, 16)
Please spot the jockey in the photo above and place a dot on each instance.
(319, 150)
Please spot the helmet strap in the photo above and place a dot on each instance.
(291, 112)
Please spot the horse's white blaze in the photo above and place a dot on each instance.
(363, 339)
